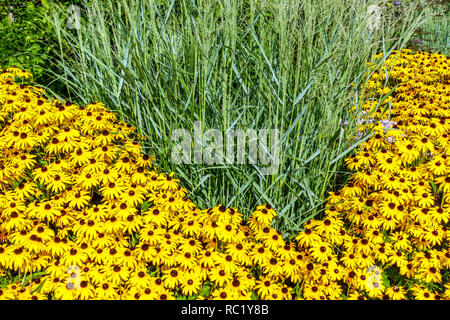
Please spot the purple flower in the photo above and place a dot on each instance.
(397, 3)
(387, 123)
(359, 135)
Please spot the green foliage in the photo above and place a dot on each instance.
(24, 42)
(297, 66)
(3, 282)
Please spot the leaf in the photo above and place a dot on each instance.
(434, 186)
(352, 147)
(202, 180)
(300, 96)
(265, 57)
(205, 290)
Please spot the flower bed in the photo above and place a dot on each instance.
(84, 211)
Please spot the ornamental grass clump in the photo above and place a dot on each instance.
(86, 215)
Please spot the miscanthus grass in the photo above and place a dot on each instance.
(435, 31)
(296, 66)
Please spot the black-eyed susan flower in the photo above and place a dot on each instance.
(219, 276)
(93, 199)
(190, 283)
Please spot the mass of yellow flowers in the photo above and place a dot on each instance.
(84, 214)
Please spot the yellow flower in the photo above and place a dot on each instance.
(219, 276)
(307, 237)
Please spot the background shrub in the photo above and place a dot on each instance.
(24, 40)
